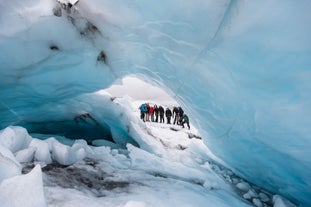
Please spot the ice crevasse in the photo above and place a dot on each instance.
(241, 68)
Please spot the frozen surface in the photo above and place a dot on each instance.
(23, 190)
(81, 175)
(241, 70)
(9, 166)
(179, 169)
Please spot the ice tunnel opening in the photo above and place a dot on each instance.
(141, 88)
(93, 123)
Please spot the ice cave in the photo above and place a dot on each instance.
(241, 69)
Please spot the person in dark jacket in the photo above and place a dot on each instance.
(156, 112)
(168, 114)
(147, 115)
(175, 115)
(161, 112)
(185, 119)
(181, 114)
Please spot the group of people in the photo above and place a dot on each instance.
(156, 114)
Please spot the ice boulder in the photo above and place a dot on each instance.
(25, 155)
(42, 153)
(9, 166)
(23, 190)
(243, 186)
(67, 155)
(279, 201)
(14, 138)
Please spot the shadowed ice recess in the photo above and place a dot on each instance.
(241, 70)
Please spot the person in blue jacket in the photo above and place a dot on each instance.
(143, 111)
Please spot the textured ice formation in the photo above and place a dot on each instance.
(241, 68)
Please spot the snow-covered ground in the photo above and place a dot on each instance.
(182, 172)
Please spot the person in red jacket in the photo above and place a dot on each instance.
(151, 110)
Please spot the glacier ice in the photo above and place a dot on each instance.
(241, 68)
(23, 190)
(9, 166)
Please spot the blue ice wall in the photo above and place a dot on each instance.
(240, 68)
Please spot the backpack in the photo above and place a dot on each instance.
(186, 118)
(180, 111)
(143, 108)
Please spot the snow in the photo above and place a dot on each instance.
(240, 69)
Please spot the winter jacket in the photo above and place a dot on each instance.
(168, 112)
(156, 110)
(180, 111)
(151, 110)
(185, 118)
(161, 110)
(175, 111)
(143, 108)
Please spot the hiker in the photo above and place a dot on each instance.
(147, 112)
(161, 112)
(168, 114)
(175, 115)
(156, 112)
(180, 114)
(185, 119)
(143, 110)
(150, 112)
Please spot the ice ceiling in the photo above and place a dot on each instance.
(241, 68)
